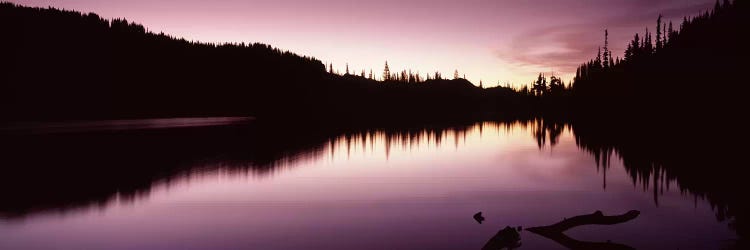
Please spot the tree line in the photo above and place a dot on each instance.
(67, 65)
(62, 65)
(680, 71)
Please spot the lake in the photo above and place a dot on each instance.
(245, 187)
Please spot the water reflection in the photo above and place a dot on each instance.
(488, 163)
(699, 163)
(556, 232)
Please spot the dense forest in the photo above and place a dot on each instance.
(682, 70)
(65, 65)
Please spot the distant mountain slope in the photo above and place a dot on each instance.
(64, 65)
(80, 65)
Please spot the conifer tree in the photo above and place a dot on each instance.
(658, 33)
(606, 49)
(648, 45)
(386, 72)
(670, 33)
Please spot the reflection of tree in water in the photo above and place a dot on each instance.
(547, 130)
(62, 172)
(657, 156)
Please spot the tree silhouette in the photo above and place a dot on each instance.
(658, 34)
(386, 72)
(556, 85)
(606, 49)
(540, 86)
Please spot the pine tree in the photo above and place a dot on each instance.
(556, 85)
(628, 51)
(540, 86)
(670, 33)
(684, 22)
(663, 35)
(386, 72)
(635, 47)
(648, 46)
(658, 33)
(606, 48)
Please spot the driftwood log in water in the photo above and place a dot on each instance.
(555, 231)
(597, 218)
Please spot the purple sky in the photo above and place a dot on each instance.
(492, 40)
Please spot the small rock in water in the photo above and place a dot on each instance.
(478, 217)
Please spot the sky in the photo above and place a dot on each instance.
(493, 41)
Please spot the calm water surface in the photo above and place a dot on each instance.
(384, 190)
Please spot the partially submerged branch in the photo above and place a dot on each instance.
(555, 231)
(597, 218)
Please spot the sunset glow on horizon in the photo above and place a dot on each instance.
(495, 41)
